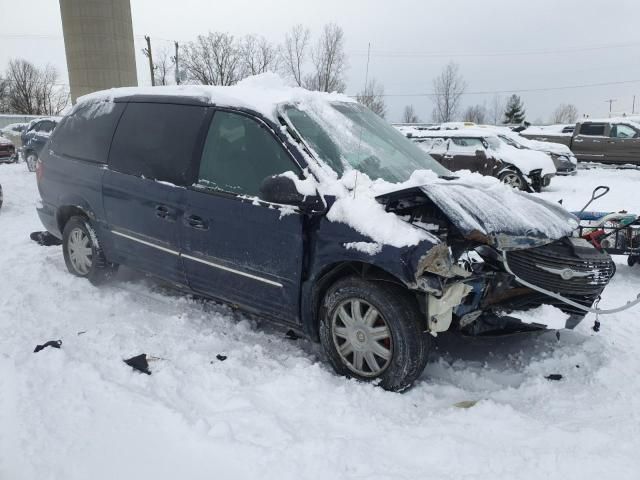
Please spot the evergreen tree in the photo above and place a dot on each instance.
(514, 112)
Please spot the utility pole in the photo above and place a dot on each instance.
(175, 60)
(611, 100)
(147, 52)
(633, 106)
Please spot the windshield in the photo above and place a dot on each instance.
(348, 135)
(512, 142)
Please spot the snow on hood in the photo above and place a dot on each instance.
(260, 93)
(555, 130)
(503, 217)
(548, 147)
(482, 208)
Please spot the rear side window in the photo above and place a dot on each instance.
(158, 141)
(239, 154)
(86, 133)
(592, 129)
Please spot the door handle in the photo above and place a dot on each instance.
(577, 140)
(195, 221)
(162, 211)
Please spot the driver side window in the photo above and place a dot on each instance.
(239, 153)
(623, 131)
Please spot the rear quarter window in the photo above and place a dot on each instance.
(86, 134)
(592, 129)
(159, 141)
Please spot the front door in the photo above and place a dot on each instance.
(623, 145)
(236, 247)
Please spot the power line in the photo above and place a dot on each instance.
(407, 54)
(516, 90)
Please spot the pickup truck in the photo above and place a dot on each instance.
(613, 140)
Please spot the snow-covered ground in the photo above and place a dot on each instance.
(274, 409)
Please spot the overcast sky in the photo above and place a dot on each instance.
(500, 45)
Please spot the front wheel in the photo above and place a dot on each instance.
(32, 160)
(373, 331)
(513, 179)
(83, 254)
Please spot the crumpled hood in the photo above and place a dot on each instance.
(493, 214)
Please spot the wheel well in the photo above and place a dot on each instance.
(65, 213)
(335, 272)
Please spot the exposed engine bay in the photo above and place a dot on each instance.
(471, 277)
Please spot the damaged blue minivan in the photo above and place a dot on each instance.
(200, 187)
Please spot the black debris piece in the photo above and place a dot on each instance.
(596, 326)
(50, 343)
(222, 358)
(554, 376)
(45, 239)
(291, 335)
(139, 362)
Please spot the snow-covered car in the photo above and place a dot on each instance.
(484, 152)
(7, 151)
(13, 132)
(34, 138)
(309, 210)
(564, 160)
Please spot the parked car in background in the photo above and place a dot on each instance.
(13, 132)
(1, 196)
(180, 182)
(34, 137)
(612, 140)
(483, 151)
(564, 160)
(7, 151)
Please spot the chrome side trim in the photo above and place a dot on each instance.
(144, 242)
(197, 259)
(237, 272)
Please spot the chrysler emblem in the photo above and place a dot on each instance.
(565, 273)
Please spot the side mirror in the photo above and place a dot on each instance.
(281, 189)
(481, 154)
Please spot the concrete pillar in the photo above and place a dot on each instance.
(98, 41)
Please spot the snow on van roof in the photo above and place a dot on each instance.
(261, 93)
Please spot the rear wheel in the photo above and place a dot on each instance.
(32, 160)
(83, 254)
(372, 331)
(513, 179)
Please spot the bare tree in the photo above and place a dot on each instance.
(4, 95)
(565, 113)
(213, 59)
(496, 109)
(372, 97)
(34, 91)
(258, 55)
(163, 67)
(448, 87)
(329, 61)
(296, 43)
(476, 114)
(409, 115)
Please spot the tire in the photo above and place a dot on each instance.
(401, 346)
(32, 159)
(79, 234)
(513, 179)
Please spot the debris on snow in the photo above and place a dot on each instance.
(139, 362)
(50, 343)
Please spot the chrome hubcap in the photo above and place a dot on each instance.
(79, 250)
(362, 337)
(512, 180)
